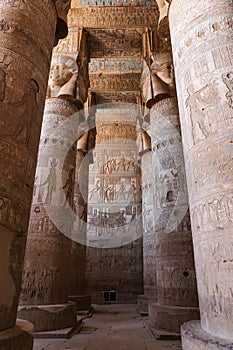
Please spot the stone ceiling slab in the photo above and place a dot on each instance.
(115, 42)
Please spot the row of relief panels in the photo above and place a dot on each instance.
(79, 3)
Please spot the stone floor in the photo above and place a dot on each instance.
(112, 327)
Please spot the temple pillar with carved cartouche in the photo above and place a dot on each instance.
(176, 281)
(27, 38)
(45, 288)
(201, 34)
(148, 237)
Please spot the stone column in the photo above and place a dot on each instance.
(78, 250)
(176, 282)
(45, 286)
(148, 238)
(27, 37)
(201, 35)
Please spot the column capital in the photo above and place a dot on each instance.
(158, 80)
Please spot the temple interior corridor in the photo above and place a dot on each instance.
(116, 164)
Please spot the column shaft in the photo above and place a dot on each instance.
(26, 37)
(176, 281)
(47, 260)
(201, 34)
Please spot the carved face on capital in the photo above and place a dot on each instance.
(164, 70)
(166, 73)
(60, 74)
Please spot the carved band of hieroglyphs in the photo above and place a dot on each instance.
(118, 82)
(213, 213)
(113, 17)
(115, 42)
(106, 97)
(115, 132)
(114, 66)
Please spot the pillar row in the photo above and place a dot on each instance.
(27, 38)
(201, 34)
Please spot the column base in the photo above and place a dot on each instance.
(17, 338)
(142, 304)
(167, 319)
(195, 338)
(49, 317)
(83, 302)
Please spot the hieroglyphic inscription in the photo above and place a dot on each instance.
(102, 17)
(115, 42)
(118, 82)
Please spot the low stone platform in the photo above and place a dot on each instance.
(65, 333)
(17, 338)
(195, 338)
(83, 302)
(142, 304)
(49, 317)
(166, 320)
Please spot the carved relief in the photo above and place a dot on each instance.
(228, 81)
(63, 77)
(27, 107)
(203, 57)
(118, 82)
(115, 42)
(115, 96)
(102, 17)
(113, 131)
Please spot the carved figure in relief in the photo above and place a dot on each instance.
(28, 109)
(121, 191)
(132, 192)
(197, 101)
(51, 181)
(228, 81)
(95, 189)
(69, 186)
(109, 193)
(4, 63)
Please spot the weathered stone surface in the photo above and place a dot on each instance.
(195, 338)
(18, 337)
(47, 260)
(143, 302)
(201, 34)
(169, 318)
(26, 41)
(149, 237)
(176, 280)
(49, 317)
(78, 249)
